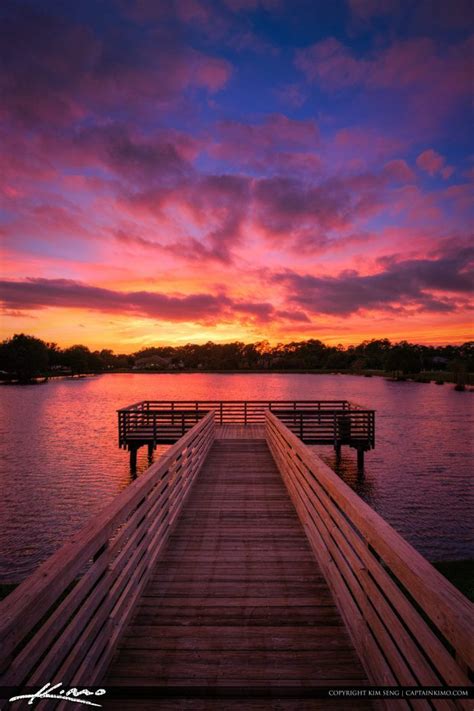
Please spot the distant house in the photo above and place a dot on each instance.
(152, 361)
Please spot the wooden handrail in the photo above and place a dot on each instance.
(63, 622)
(341, 404)
(409, 625)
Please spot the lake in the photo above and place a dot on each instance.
(61, 463)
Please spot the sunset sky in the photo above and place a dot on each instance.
(197, 170)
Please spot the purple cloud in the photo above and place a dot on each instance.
(32, 294)
(439, 284)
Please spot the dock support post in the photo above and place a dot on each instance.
(337, 448)
(150, 451)
(133, 458)
(360, 459)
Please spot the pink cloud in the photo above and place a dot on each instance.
(211, 73)
(440, 282)
(247, 5)
(276, 131)
(77, 74)
(404, 63)
(400, 171)
(329, 63)
(277, 143)
(432, 81)
(420, 16)
(447, 171)
(433, 163)
(292, 95)
(366, 10)
(363, 146)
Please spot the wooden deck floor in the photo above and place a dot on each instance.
(240, 432)
(237, 599)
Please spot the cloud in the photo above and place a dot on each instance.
(414, 15)
(292, 95)
(439, 284)
(213, 206)
(278, 143)
(365, 10)
(78, 73)
(295, 212)
(433, 163)
(399, 171)
(31, 294)
(432, 81)
(162, 157)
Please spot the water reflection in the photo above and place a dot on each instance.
(61, 463)
(362, 482)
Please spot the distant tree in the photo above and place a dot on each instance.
(55, 354)
(25, 356)
(107, 359)
(77, 358)
(459, 369)
(359, 365)
(403, 358)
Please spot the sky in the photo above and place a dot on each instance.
(175, 172)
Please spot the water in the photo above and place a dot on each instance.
(61, 463)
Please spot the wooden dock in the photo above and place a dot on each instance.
(238, 572)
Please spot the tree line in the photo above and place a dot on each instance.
(25, 357)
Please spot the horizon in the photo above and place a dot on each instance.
(271, 344)
(181, 172)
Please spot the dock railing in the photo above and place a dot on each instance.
(354, 427)
(409, 625)
(64, 621)
(161, 420)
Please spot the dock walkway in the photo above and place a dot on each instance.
(237, 598)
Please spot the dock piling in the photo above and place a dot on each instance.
(133, 458)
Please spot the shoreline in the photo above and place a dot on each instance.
(424, 377)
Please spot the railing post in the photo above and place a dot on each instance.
(245, 412)
(301, 426)
(221, 407)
